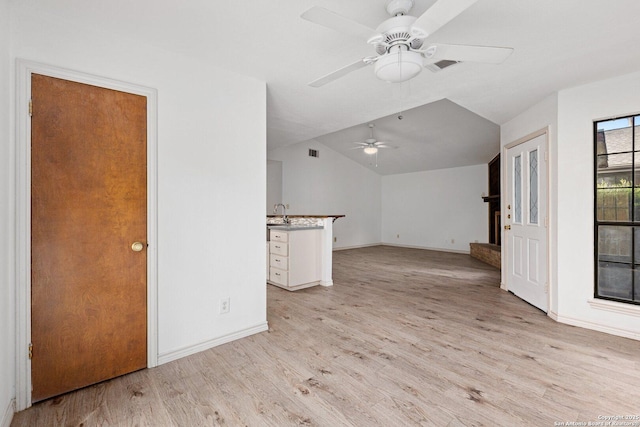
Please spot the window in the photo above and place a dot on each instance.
(617, 209)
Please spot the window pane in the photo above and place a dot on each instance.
(614, 136)
(617, 172)
(617, 164)
(517, 185)
(533, 187)
(613, 204)
(614, 244)
(636, 245)
(614, 280)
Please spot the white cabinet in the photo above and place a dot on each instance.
(294, 258)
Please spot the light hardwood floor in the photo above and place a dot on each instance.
(405, 337)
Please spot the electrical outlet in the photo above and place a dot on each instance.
(335, 239)
(225, 305)
(453, 241)
(397, 236)
(287, 205)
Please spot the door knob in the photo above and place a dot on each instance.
(507, 227)
(137, 246)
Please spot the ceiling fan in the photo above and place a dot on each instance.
(370, 145)
(399, 41)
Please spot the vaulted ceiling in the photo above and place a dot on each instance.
(557, 44)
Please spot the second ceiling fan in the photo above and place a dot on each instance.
(399, 41)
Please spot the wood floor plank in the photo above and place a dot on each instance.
(404, 337)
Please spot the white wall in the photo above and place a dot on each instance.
(332, 184)
(211, 175)
(578, 108)
(7, 257)
(570, 115)
(430, 209)
(539, 116)
(274, 184)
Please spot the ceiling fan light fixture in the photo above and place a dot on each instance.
(370, 150)
(399, 66)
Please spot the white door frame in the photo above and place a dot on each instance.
(506, 175)
(23, 213)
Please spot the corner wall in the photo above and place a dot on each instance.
(211, 170)
(332, 184)
(578, 108)
(570, 114)
(440, 209)
(7, 226)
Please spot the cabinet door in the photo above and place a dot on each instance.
(304, 257)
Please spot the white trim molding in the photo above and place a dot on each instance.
(23, 211)
(615, 307)
(8, 414)
(427, 248)
(621, 332)
(170, 356)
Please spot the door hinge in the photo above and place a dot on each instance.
(30, 350)
(546, 156)
(30, 108)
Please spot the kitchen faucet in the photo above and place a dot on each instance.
(284, 212)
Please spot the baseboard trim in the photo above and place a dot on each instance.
(625, 333)
(368, 245)
(8, 414)
(427, 248)
(193, 349)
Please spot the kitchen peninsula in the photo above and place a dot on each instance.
(300, 250)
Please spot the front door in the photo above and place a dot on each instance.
(88, 235)
(526, 222)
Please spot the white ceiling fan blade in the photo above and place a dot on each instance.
(338, 73)
(454, 52)
(439, 14)
(329, 19)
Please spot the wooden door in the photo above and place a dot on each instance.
(525, 225)
(88, 206)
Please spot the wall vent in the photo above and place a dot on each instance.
(313, 153)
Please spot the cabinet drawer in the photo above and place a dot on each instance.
(279, 248)
(279, 261)
(279, 236)
(278, 276)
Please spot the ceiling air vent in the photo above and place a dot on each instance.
(441, 65)
(313, 153)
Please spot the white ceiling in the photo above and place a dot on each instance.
(438, 135)
(558, 44)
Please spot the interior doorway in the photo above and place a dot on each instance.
(88, 234)
(24, 314)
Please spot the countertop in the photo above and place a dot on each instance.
(293, 227)
(307, 216)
